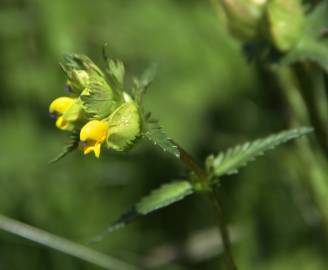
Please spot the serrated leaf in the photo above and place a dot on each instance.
(156, 135)
(229, 162)
(142, 84)
(123, 126)
(115, 70)
(166, 195)
(71, 145)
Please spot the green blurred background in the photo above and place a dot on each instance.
(206, 96)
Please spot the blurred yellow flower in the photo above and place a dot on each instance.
(58, 107)
(92, 135)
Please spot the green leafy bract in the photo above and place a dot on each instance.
(166, 195)
(79, 70)
(124, 126)
(155, 134)
(98, 99)
(229, 162)
(312, 46)
(142, 84)
(71, 145)
(285, 30)
(115, 70)
(79, 62)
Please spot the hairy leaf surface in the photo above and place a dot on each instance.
(230, 161)
(154, 132)
(157, 199)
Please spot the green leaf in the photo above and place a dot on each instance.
(166, 195)
(155, 134)
(229, 162)
(124, 126)
(71, 145)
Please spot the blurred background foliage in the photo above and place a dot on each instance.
(207, 97)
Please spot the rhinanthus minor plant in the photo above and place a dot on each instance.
(99, 112)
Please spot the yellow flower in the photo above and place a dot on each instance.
(58, 107)
(92, 135)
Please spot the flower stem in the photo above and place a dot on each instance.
(223, 230)
(187, 159)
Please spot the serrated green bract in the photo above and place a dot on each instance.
(98, 99)
(79, 69)
(123, 126)
(71, 145)
(141, 84)
(312, 47)
(116, 71)
(80, 62)
(229, 162)
(286, 22)
(166, 195)
(155, 134)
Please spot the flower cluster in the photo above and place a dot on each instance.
(101, 112)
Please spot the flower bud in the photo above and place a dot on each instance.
(67, 111)
(57, 108)
(243, 17)
(286, 20)
(77, 81)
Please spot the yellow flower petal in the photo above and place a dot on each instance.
(60, 105)
(61, 123)
(97, 149)
(92, 135)
(94, 130)
(92, 147)
(88, 149)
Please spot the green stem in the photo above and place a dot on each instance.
(310, 154)
(191, 164)
(214, 198)
(62, 245)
